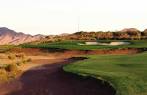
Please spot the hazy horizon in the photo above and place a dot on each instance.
(63, 16)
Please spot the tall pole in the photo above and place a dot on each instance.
(78, 22)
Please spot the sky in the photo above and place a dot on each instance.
(65, 16)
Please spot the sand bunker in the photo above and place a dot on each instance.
(109, 44)
(119, 43)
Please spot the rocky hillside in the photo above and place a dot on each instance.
(8, 36)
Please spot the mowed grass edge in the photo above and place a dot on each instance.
(74, 45)
(126, 73)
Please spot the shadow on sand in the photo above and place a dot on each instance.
(52, 80)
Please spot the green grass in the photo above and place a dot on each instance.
(73, 45)
(126, 73)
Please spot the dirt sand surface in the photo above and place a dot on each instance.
(39, 51)
(39, 61)
(50, 79)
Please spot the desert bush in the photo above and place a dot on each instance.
(9, 72)
(19, 63)
(11, 68)
(3, 75)
(14, 74)
(29, 60)
(24, 61)
(21, 55)
(11, 57)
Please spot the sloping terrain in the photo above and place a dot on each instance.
(126, 73)
(10, 37)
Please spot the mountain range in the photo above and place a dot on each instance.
(10, 37)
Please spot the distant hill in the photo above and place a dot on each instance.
(130, 30)
(8, 36)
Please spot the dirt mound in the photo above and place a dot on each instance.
(37, 51)
(115, 51)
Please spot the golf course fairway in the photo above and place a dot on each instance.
(125, 73)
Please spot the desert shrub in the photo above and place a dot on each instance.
(3, 75)
(29, 60)
(24, 61)
(11, 57)
(19, 63)
(9, 72)
(21, 55)
(11, 68)
(14, 74)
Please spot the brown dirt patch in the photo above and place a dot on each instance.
(32, 51)
(70, 53)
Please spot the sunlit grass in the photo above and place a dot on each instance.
(126, 73)
(73, 45)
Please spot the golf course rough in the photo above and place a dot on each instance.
(125, 73)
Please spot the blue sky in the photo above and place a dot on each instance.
(63, 16)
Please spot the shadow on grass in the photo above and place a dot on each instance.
(53, 50)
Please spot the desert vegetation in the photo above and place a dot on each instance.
(8, 72)
(125, 34)
(10, 69)
(6, 48)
